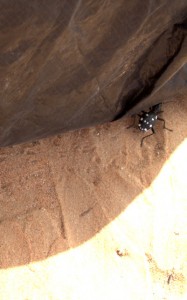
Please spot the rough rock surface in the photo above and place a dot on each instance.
(68, 64)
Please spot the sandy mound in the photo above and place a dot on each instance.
(92, 215)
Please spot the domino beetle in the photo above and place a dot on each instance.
(147, 120)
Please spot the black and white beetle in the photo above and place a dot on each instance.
(147, 120)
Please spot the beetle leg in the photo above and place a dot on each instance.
(153, 132)
(159, 112)
(132, 125)
(142, 112)
(160, 119)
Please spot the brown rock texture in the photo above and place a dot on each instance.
(68, 64)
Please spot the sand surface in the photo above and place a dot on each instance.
(92, 215)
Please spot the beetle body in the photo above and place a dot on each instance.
(148, 119)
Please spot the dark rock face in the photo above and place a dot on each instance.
(72, 64)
